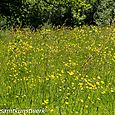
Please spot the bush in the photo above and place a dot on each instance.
(3, 23)
(105, 13)
(57, 12)
(37, 13)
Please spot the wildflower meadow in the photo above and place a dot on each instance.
(61, 71)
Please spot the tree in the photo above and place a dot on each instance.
(105, 13)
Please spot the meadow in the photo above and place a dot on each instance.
(63, 71)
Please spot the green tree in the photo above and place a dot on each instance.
(105, 13)
(68, 12)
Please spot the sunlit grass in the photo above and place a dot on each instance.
(64, 71)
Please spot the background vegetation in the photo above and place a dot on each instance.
(35, 13)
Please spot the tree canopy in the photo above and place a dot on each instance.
(35, 13)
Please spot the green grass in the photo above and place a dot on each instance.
(64, 71)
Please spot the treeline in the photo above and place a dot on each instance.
(36, 13)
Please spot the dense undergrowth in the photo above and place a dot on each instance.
(63, 71)
(37, 13)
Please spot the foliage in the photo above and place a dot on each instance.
(105, 13)
(66, 12)
(62, 71)
(35, 13)
(3, 22)
(91, 12)
(38, 12)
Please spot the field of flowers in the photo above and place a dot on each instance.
(63, 71)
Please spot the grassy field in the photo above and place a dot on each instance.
(59, 71)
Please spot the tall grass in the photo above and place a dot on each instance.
(64, 71)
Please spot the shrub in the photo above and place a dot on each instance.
(105, 13)
(57, 12)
